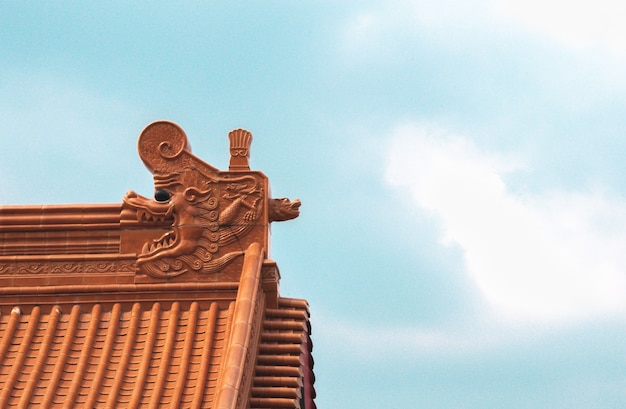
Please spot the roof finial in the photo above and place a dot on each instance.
(240, 141)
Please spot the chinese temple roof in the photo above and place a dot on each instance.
(169, 302)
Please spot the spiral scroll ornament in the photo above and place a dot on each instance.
(160, 144)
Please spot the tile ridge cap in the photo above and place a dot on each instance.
(240, 339)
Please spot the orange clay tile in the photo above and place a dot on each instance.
(164, 302)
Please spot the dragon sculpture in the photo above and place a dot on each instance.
(209, 216)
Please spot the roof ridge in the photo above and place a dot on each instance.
(238, 352)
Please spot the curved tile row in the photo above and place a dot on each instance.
(112, 355)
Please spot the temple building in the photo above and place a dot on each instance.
(164, 302)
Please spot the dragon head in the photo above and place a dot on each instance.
(283, 209)
(186, 212)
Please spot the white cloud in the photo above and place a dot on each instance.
(576, 23)
(391, 23)
(558, 255)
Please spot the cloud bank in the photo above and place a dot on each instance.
(558, 255)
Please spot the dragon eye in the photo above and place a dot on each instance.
(161, 195)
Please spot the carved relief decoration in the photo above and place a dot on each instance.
(206, 212)
(45, 266)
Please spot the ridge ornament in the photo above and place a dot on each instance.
(206, 217)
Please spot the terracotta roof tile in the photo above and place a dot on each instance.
(119, 354)
(150, 354)
(283, 361)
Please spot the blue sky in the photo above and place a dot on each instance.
(462, 240)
